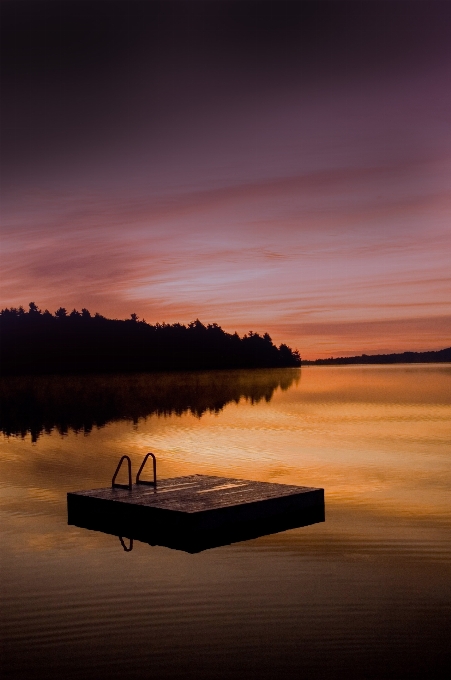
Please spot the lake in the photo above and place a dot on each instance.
(365, 594)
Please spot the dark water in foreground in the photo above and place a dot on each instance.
(366, 594)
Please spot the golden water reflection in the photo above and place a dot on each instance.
(376, 438)
(366, 594)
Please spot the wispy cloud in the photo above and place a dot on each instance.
(320, 211)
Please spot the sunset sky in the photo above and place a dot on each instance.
(280, 167)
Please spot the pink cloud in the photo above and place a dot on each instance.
(304, 256)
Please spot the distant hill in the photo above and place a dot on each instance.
(36, 342)
(440, 356)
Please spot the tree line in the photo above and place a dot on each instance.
(36, 342)
(437, 356)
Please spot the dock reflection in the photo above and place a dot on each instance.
(196, 540)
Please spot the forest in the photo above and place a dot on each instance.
(35, 342)
(438, 356)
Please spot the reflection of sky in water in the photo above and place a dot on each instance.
(376, 438)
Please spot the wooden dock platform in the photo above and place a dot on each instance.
(196, 512)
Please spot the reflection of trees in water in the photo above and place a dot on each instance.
(33, 405)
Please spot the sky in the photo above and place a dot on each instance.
(267, 166)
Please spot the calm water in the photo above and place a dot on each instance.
(366, 594)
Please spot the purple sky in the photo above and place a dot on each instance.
(280, 167)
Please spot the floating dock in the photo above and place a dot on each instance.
(195, 512)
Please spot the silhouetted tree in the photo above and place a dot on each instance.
(80, 343)
(197, 325)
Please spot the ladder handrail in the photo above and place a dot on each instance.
(123, 486)
(130, 547)
(154, 483)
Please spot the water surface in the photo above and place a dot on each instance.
(366, 594)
